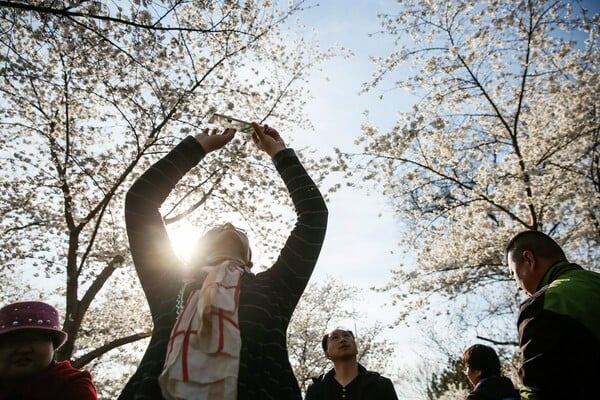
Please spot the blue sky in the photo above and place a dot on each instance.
(358, 241)
(361, 242)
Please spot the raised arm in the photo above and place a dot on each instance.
(153, 256)
(297, 259)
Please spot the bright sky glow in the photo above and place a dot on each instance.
(183, 238)
(361, 243)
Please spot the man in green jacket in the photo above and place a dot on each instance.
(559, 324)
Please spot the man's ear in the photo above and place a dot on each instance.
(530, 258)
(327, 355)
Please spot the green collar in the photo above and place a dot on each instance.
(555, 271)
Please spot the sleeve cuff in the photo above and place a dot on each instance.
(283, 154)
(192, 142)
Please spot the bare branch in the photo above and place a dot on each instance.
(82, 361)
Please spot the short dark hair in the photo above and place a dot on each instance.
(482, 358)
(326, 336)
(537, 242)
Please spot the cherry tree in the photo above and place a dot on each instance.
(503, 136)
(90, 95)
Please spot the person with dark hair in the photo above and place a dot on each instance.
(559, 324)
(483, 369)
(29, 337)
(348, 380)
(220, 330)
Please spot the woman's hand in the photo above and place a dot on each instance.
(267, 139)
(212, 140)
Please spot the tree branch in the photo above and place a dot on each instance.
(72, 14)
(98, 352)
(497, 342)
(99, 282)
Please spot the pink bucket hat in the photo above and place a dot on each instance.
(32, 316)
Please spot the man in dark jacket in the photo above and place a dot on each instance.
(483, 369)
(559, 325)
(348, 379)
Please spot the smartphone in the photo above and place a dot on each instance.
(226, 121)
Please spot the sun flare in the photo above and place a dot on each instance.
(183, 239)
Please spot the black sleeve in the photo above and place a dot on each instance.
(156, 264)
(292, 269)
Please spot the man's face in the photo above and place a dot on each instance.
(522, 271)
(340, 344)
(24, 354)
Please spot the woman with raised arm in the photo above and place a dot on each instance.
(228, 341)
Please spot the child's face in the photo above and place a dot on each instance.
(24, 354)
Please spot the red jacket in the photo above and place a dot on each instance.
(59, 382)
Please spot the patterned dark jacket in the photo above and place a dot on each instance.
(267, 299)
